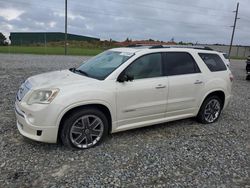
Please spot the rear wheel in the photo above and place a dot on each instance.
(84, 128)
(210, 110)
(248, 77)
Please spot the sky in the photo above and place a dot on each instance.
(197, 21)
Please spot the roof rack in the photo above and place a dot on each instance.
(169, 46)
(181, 46)
(134, 45)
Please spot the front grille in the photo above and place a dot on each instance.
(23, 90)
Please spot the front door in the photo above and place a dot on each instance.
(144, 98)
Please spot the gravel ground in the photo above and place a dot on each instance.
(177, 154)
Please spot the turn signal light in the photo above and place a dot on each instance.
(231, 77)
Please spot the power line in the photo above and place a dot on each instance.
(114, 14)
(162, 8)
(139, 4)
(246, 19)
(153, 19)
(195, 6)
(134, 3)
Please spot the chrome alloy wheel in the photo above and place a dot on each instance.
(86, 131)
(212, 110)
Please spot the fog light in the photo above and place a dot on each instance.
(30, 118)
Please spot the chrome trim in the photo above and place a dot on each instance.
(23, 90)
(198, 82)
(130, 110)
(19, 112)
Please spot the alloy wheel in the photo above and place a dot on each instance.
(212, 110)
(86, 131)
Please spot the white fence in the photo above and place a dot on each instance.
(237, 51)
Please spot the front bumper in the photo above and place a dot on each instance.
(39, 133)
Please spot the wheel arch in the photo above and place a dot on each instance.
(220, 93)
(102, 107)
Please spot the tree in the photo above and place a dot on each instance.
(2, 40)
(128, 40)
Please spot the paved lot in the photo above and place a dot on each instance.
(177, 154)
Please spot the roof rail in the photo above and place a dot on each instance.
(134, 45)
(156, 46)
(181, 46)
(170, 46)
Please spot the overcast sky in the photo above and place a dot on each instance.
(202, 21)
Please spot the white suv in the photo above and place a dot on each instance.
(121, 89)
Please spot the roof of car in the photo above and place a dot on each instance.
(139, 48)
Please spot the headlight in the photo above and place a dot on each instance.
(43, 96)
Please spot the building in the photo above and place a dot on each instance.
(144, 42)
(237, 50)
(26, 38)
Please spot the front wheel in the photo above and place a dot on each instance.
(210, 110)
(84, 128)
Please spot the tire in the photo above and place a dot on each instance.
(210, 110)
(84, 128)
(248, 77)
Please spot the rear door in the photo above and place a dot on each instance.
(185, 83)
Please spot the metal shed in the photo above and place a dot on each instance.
(24, 38)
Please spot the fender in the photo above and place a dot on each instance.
(209, 92)
(82, 103)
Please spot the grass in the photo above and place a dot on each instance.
(85, 50)
(50, 50)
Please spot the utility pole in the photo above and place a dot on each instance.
(234, 26)
(66, 26)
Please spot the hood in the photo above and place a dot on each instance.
(57, 79)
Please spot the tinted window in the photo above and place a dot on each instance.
(178, 63)
(213, 62)
(147, 66)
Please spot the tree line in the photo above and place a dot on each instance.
(3, 39)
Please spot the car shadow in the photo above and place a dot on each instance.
(120, 136)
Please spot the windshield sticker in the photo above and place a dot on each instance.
(128, 54)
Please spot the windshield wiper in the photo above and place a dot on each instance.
(81, 72)
(72, 69)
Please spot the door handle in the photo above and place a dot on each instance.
(198, 82)
(160, 86)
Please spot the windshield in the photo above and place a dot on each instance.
(104, 64)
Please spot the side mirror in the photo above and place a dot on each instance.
(125, 78)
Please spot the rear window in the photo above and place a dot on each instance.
(178, 63)
(213, 62)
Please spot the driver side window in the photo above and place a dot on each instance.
(147, 66)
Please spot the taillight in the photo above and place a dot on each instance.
(231, 77)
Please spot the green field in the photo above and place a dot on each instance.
(50, 50)
(59, 50)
